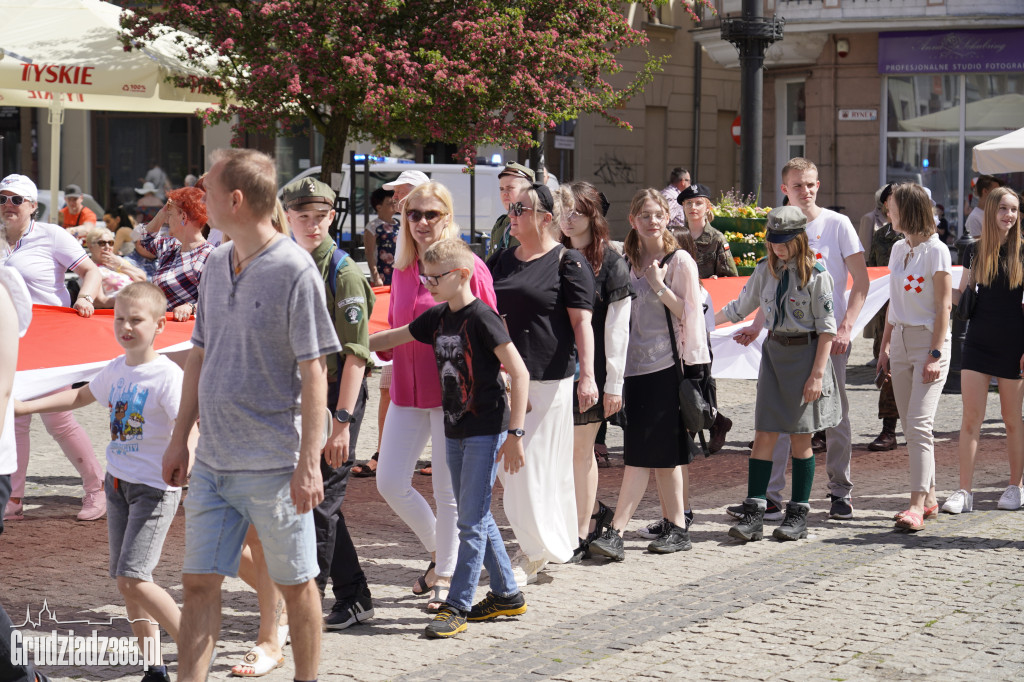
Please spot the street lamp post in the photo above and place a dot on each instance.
(752, 33)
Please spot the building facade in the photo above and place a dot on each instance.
(879, 90)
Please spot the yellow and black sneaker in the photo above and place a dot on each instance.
(493, 606)
(449, 621)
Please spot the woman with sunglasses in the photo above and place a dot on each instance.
(117, 271)
(415, 414)
(42, 253)
(546, 292)
(181, 257)
(585, 229)
(667, 288)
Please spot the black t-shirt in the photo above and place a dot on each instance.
(613, 284)
(472, 392)
(533, 296)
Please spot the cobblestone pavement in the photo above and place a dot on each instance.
(855, 601)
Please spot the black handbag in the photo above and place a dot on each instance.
(695, 408)
(968, 301)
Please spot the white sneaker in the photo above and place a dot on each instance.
(958, 502)
(1010, 500)
(94, 506)
(524, 570)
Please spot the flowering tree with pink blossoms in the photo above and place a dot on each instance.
(466, 71)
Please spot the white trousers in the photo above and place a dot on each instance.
(406, 430)
(540, 500)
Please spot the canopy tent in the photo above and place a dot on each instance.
(1003, 154)
(1003, 112)
(67, 54)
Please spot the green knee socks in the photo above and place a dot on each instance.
(803, 479)
(759, 473)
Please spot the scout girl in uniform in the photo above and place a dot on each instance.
(796, 386)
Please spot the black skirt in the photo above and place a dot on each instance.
(592, 416)
(654, 433)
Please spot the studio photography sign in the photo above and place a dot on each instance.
(989, 51)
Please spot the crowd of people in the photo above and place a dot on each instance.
(509, 367)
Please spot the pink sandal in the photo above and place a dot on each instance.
(910, 520)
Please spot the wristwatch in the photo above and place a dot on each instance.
(344, 416)
(935, 354)
(516, 432)
(86, 297)
(661, 292)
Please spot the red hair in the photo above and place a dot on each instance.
(190, 201)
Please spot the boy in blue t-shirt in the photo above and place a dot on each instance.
(142, 389)
(471, 344)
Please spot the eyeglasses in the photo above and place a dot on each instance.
(16, 200)
(434, 280)
(517, 208)
(656, 217)
(572, 215)
(415, 215)
(104, 242)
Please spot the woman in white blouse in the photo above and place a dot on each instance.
(916, 341)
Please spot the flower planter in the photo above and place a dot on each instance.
(744, 271)
(744, 225)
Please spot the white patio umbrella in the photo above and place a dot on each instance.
(67, 54)
(1003, 154)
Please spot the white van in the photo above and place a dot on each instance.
(488, 203)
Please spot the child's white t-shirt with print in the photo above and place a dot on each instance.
(143, 402)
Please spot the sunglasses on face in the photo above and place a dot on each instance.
(415, 216)
(434, 280)
(517, 209)
(104, 242)
(16, 200)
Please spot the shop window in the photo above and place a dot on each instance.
(791, 124)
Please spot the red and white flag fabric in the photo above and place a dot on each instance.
(61, 348)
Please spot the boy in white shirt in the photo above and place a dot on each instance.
(142, 389)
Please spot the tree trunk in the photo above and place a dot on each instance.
(335, 140)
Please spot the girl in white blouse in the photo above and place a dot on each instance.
(916, 341)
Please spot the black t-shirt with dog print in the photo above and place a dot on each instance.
(472, 391)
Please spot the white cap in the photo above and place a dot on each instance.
(409, 177)
(20, 185)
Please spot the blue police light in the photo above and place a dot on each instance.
(495, 159)
(925, 163)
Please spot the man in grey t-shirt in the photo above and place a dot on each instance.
(258, 377)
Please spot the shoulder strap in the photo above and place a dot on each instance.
(818, 266)
(337, 260)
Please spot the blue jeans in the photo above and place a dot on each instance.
(473, 468)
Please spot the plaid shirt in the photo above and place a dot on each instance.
(177, 273)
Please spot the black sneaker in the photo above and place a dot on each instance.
(346, 614)
(449, 621)
(771, 513)
(609, 545)
(674, 539)
(841, 508)
(581, 552)
(653, 531)
(156, 674)
(751, 525)
(602, 519)
(794, 526)
(493, 606)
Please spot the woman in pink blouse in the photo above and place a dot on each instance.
(415, 414)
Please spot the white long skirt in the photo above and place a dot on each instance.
(540, 500)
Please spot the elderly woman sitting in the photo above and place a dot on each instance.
(116, 271)
(181, 256)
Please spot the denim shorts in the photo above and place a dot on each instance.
(138, 518)
(218, 511)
